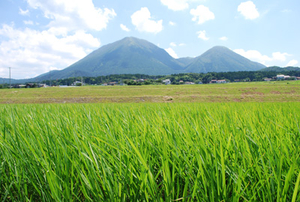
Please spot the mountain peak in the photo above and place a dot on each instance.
(220, 48)
(222, 59)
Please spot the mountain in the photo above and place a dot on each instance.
(127, 56)
(137, 56)
(222, 59)
(280, 69)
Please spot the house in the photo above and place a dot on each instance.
(112, 83)
(280, 77)
(298, 78)
(105, 84)
(167, 81)
(42, 85)
(267, 79)
(189, 83)
(221, 81)
(77, 83)
(218, 81)
(283, 77)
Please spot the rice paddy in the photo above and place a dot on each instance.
(279, 91)
(150, 152)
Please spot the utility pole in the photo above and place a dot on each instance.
(9, 77)
(50, 79)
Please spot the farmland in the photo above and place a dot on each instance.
(284, 91)
(169, 147)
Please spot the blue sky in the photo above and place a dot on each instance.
(36, 37)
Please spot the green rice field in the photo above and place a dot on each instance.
(224, 151)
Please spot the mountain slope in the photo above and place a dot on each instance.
(127, 56)
(222, 59)
(185, 61)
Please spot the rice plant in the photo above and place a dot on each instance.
(150, 152)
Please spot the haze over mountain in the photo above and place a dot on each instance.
(137, 56)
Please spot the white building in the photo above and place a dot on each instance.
(167, 81)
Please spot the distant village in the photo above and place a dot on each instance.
(77, 83)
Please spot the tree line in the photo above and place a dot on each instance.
(142, 79)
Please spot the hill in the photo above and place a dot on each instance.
(280, 69)
(222, 59)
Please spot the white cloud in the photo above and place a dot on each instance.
(173, 44)
(32, 52)
(263, 59)
(248, 10)
(74, 14)
(223, 38)
(172, 23)
(202, 35)
(28, 22)
(171, 52)
(141, 19)
(175, 5)
(123, 27)
(23, 12)
(280, 56)
(182, 44)
(292, 63)
(202, 14)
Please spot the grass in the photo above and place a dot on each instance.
(151, 151)
(233, 92)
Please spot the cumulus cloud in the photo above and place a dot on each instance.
(263, 59)
(23, 12)
(223, 38)
(123, 27)
(202, 14)
(171, 52)
(63, 41)
(292, 63)
(202, 35)
(173, 44)
(28, 22)
(75, 14)
(143, 22)
(175, 5)
(172, 23)
(32, 52)
(248, 10)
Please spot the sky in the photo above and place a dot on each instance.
(37, 36)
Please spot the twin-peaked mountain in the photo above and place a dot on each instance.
(136, 56)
